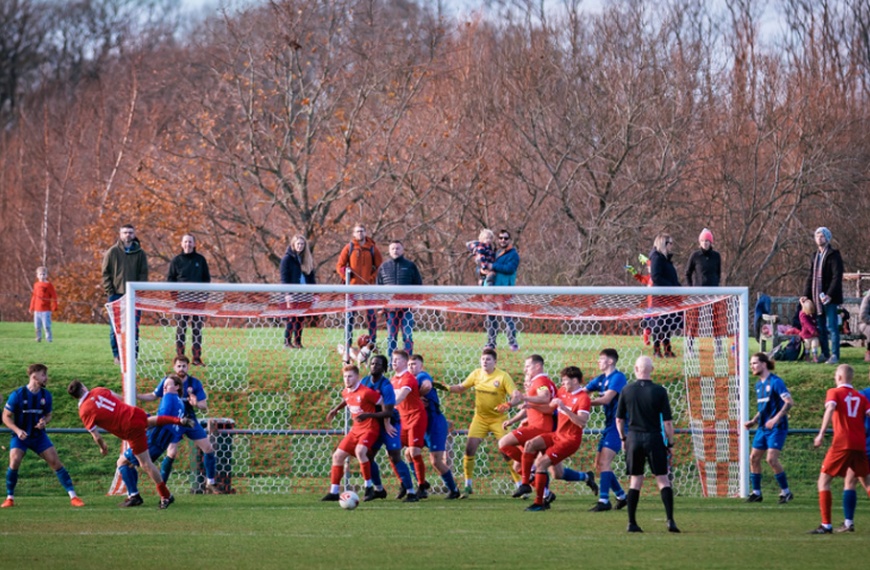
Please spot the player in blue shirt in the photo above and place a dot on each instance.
(437, 428)
(774, 402)
(26, 413)
(195, 399)
(393, 441)
(159, 439)
(609, 384)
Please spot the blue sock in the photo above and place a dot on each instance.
(11, 481)
(755, 480)
(65, 479)
(210, 465)
(413, 469)
(850, 501)
(616, 487)
(166, 468)
(130, 478)
(404, 474)
(376, 473)
(782, 480)
(604, 486)
(571, 475)
(449, 481)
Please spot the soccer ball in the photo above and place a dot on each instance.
(348, 500)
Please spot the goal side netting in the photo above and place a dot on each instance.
(268, 398)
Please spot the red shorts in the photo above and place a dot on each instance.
(838, 461)
(414, 432)
(367, 438)
(135, 433)
(559, 449)
(526, 433)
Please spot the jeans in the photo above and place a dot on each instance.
(828, 324)
(196, 323)
(492, 327)
(394, 318)
(113, 342)
(42, 322)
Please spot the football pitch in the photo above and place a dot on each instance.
(298, 531)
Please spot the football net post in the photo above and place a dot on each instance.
(278, 396)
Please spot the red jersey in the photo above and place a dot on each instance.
(360, 400)
(412, 406)
(848, 417)
(576, 402)
(44, 297)
(100, 408)
(535, 419)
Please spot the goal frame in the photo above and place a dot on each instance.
(742, 293)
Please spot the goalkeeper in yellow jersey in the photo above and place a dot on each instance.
(493, 389)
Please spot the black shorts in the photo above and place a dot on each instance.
(642, 448)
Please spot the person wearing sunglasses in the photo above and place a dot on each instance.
(507, 260)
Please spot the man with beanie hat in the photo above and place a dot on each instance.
(704, 269)
(824, 288)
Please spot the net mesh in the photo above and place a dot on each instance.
(268, 397)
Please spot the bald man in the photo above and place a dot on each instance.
(650, 432)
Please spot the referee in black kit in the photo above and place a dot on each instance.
(650, 433)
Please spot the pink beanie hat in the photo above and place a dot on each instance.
(706, 235)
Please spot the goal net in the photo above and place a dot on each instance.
(268, 398)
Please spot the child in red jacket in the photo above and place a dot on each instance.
(42, 302)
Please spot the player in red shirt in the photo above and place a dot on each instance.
(537, 414)
(414, 420)
(361, 402)
(574, 407)
(848, 408)
(102, 408)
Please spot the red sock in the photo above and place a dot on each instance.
(163, 490)
(512, 451)
(366, 469)
(420, 468)
(166, 420)
(825, 501)
(540, 485)
(527, 462)
(335, 474)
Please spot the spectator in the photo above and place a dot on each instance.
(484, 254)
(663, 274)
(824, 288)
(297, 268)
(125, 261)
(864, 323)
(42, 302)
(358, 264)
(704, 269)
(189, 267)
(809, 331)
(399, 270)
(507, 260)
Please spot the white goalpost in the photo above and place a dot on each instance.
(268, 399)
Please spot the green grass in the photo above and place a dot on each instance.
(298, 531)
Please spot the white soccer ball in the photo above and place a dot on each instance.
(348, 500)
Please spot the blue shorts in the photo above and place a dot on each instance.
(610, 440)
(769, 439)
(391, 443)
(436, 433)
(194, 433)
(37, 442)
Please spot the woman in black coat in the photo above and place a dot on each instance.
(663, 274)
(297, 267)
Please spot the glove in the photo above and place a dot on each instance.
(503, 408)
(440, 386)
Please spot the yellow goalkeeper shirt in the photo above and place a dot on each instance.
(490, 390)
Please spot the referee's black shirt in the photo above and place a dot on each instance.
(646, 405)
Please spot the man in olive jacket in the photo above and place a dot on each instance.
(125, 261)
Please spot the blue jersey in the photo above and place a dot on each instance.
(189, 382)
(866, 392)
(433, 402)
(770, 394)
(614, 381)
(159, 437)
(28, 408)
(385, 387)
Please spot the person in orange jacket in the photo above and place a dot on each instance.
(358, 264)
(42, 302)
